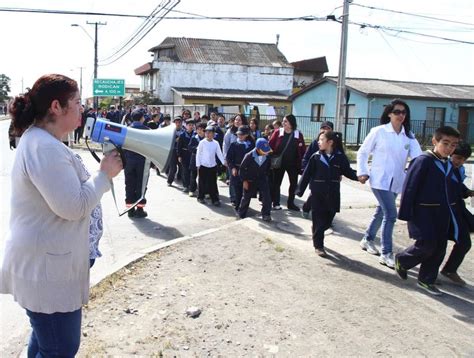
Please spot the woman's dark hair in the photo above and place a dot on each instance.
(336, 138)
(242, 117)
(292, 120)
(384, 119)
(35, 103)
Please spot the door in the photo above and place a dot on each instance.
(463, 126)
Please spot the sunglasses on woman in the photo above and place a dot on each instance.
(397, 112)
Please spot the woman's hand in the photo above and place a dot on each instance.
(111, 164)
(363, 178)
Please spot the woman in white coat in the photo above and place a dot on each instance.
(46, 258)
(390, 144)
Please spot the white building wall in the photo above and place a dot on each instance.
(172, 74)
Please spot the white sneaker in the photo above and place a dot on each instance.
(387, 260)
(369, 246)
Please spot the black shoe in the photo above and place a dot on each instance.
(185, 190)
(216, 203)
(400, 270)
(267, 218)
(170, 184)
(321, 252)
(140, 213)
(430, 288)
(202, 201)
(292, 206)
(131, 213)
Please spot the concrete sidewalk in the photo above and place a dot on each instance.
(264, 292)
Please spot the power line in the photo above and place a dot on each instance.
(194, 17)
(412, 14)
(66, 12)
(364, 25)
(136, 33)
(155, 22)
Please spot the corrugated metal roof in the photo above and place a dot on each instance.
(318, 64)
(189, 92)
(389, 88)
(392, 89)
(193, 50)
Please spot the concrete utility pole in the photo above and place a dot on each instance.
(341, 78)
(96, 43)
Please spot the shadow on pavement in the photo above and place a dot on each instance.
(463, 305)
(155, 230)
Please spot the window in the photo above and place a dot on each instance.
(317, 112)
(435, 116)
(351, 111)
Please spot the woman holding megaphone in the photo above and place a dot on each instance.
(46, 259)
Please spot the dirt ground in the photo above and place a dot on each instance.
(265, 293)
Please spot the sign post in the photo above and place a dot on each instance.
(108, 87)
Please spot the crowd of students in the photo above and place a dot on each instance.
(253, 163)
(56, 207)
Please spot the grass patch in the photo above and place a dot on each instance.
(279, 248)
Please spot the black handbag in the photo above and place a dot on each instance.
(277, 160)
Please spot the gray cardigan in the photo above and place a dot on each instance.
(46, 258)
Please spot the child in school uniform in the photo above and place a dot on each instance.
(206, 164)
(324, 171)
(235, 155)
(192, 148)
(254, 172)
(428, 204)
(463, 244)
(184, 156)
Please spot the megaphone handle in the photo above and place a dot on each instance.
(109, 146)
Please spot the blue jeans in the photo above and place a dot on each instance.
(54, 335)
(385, 215)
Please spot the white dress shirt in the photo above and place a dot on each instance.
(390, 152)
(206, 153)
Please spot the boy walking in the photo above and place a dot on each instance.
(428, 204)
(254, 172)
(192, 149)
(235, 155)
(463, 245)
(184, 156)
(206, 164)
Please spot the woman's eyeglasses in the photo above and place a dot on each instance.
(397, 112)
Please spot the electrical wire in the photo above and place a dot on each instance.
(137, 32)
(412, 14)
(142, 36)
(196, 16)
(365, 25)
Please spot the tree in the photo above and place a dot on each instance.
(147, 98)
(4, 87)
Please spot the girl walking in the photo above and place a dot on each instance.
(324, 171)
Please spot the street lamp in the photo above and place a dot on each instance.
(95, 40)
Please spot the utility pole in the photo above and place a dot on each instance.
(80, 82)
(341, 78)
(96, 42)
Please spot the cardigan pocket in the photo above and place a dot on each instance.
(58, 267)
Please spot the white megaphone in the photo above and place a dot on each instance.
(155, 145)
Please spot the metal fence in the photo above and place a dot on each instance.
(355, 130)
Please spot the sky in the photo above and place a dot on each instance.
(36, 44)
